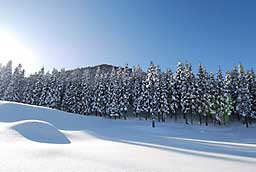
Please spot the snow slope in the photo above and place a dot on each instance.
(42, 139)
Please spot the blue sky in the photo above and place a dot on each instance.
(66, 33)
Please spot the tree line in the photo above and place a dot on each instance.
(158, 95)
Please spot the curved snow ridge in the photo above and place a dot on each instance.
(40, 131)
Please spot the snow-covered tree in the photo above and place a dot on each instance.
(157, 94)
(137, 90)
(244, 106)
(164, 108)
(202, 94)
(251, 79)
(125, 91)
(72, 101)
(234, 91)
(151, 91)
(114, 92)
(187, 91)
(220, 99)
(38, 87)
(15, 88)
(228, 105)
(6, 75)
(86, 94)
(99, 90)
(177, 90)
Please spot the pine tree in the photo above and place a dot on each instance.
(46, 90)
(27, 95)
(201, 96)
(163, 101)
(6, 77)
(38, 87)
(96, 90)
(15, 89)
(73, 97)
(86, 94)
(228, 105)
(220, 99)
(125, 91)
(137, 90)
(157, 93)
(177, 90)
(171, 91)
(251, 79)
(113, 91)
(100, 89)
(244, 98)
(151, 90)
(234, 91)
(52, 98)
(187, 94)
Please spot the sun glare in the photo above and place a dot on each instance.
(13, 49)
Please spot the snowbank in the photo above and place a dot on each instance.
(87, 143)
(40, 131)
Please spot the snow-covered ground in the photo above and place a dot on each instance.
(41, 139)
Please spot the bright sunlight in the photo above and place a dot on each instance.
(13, 49)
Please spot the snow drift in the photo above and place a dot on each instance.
(40, 131)
(87, 143)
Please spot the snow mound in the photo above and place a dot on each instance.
(40, 131)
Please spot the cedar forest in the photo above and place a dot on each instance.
(155, 95)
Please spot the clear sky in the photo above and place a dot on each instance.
(77, 33)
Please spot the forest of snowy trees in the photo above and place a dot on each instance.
(204, 97)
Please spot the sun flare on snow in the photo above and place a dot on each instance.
(13, 49)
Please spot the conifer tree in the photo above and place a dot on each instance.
(151, 90)
(244, 98)
(125, 91)
(113, 90)
(187, 94)
(163, 102)
(6, 76)
(202, 96)
(234, 91)
(14, 90)
(137, 90)
(177, 90)
(251, 79)
(158, 90)
(38, 87)
(220, 99)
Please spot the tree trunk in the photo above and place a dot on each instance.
(246, 121)
(186, 119)
(163, 117)
(250, 120)
(206, 120)
(238, 116)
(147, 115)
(153, 123)
(158, 116)
(191, 118)
(200, 119)
(176, 117)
